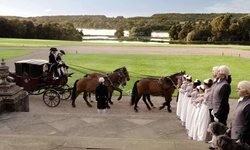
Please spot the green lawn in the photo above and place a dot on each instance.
(54, 43)
(139, 66)
(12, 53)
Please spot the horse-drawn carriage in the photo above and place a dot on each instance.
(34, 76)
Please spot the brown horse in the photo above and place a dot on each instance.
(89, 84)
(164, 86)
(122, 72)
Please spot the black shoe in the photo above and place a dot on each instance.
(210, 147)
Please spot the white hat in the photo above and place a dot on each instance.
(207, 80)
(101, 80)
(189, 77)
(185, 75)
(202, 87)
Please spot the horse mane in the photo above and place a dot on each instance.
(116, 69)
(173, 75)
(178, 73)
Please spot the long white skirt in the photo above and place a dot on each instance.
(193, 131)
(179, 104)
(183, 115)
(203, 122)
(190, 114)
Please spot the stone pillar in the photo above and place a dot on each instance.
(12, 97)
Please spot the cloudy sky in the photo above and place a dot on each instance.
(114, 8)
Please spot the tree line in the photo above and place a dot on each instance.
(21, 28)
(222, 29)
(196, 28)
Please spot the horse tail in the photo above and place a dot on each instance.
(134, 93)
(73, 96)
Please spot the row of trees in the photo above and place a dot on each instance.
(205, 28)
(18, 28)
(223, 28)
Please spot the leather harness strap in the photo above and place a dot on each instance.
(161, 85)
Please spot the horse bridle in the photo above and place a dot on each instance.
(119, 82)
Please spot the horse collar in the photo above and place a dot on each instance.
(174, 85)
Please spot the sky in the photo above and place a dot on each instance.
(114, 8)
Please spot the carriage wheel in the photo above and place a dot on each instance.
(51, 98)
(65, 92)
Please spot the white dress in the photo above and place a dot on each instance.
(185, 101)
(190, 107)
(193, 131)
(204, 116)
(203, 121)
(182, 90)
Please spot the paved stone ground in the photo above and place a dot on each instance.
(65, 128)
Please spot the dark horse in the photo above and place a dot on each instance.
(164, 86)
(124, 76)
(89, 84)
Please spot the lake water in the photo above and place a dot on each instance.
(104, 35)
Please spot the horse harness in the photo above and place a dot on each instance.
(111, 83)
(161, 85)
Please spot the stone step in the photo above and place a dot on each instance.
(31, 142)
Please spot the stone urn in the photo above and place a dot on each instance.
(12, 97)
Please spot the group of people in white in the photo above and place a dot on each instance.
(201, 102)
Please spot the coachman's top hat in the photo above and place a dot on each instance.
(62, 51)
(53, 49)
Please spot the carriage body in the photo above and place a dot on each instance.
(30, 74)
(34, 76)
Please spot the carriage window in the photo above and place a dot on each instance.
(25, 69)
(36, 70)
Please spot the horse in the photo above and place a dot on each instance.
(124, 74)
(89, 84)
(164, 86)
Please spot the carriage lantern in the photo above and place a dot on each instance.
(4, 72)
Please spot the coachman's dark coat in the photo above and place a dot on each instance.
(101, 96)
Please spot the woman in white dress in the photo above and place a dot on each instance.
(190, 106)
(181, 90)
(204, 115)
(186, 98)
(192, 133)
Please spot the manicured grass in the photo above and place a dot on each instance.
(12, 53)
(139, 66)
(55, 43)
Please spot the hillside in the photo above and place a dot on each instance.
(156, 21)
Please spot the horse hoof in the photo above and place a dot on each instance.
(73, 105)
(90, 105)
(111, 102)
(169, 110)
(108, 107)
